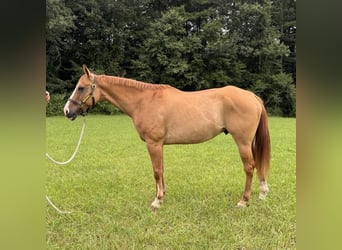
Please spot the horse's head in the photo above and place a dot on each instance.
(82, 98)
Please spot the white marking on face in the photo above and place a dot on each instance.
(66, 106)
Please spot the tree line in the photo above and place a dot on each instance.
(191, 45)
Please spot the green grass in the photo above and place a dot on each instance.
(109, 186)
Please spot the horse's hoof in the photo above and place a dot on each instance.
(241, 204)
(155, 205)
(262, 195)
(154, 209)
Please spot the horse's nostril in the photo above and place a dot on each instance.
(66, 111)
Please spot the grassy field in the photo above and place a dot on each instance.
(109, 187)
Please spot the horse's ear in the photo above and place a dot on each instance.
(86, 70)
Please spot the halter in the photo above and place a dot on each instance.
(82, 102)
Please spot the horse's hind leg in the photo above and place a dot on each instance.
(248, 163)
(263, 186)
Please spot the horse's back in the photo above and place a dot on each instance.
(214, 104)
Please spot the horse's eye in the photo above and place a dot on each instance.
(80, 89)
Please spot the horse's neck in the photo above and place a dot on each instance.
(124, 93)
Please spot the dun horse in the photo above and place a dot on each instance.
(165, 115)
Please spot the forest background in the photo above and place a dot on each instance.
(191, 45)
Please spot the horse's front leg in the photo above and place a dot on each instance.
(156, 153)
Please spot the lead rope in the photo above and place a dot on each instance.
(56, 208)
(63, 163)
(73, 155)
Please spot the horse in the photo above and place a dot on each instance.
(164, 115)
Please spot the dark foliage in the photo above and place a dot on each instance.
(191, 45)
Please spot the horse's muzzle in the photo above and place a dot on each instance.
(72, 112)
(71, 115)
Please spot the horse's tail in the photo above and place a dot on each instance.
(261, 146)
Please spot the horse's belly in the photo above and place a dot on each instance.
(191, 133)
(191, 117)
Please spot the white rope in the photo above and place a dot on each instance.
(55, 207)
(73, 155)
(63, 163)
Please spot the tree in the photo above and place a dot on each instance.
(278, 93)
(59, 21)
(284, 18)
(191, 45)
(163, 59)
(188, 50)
